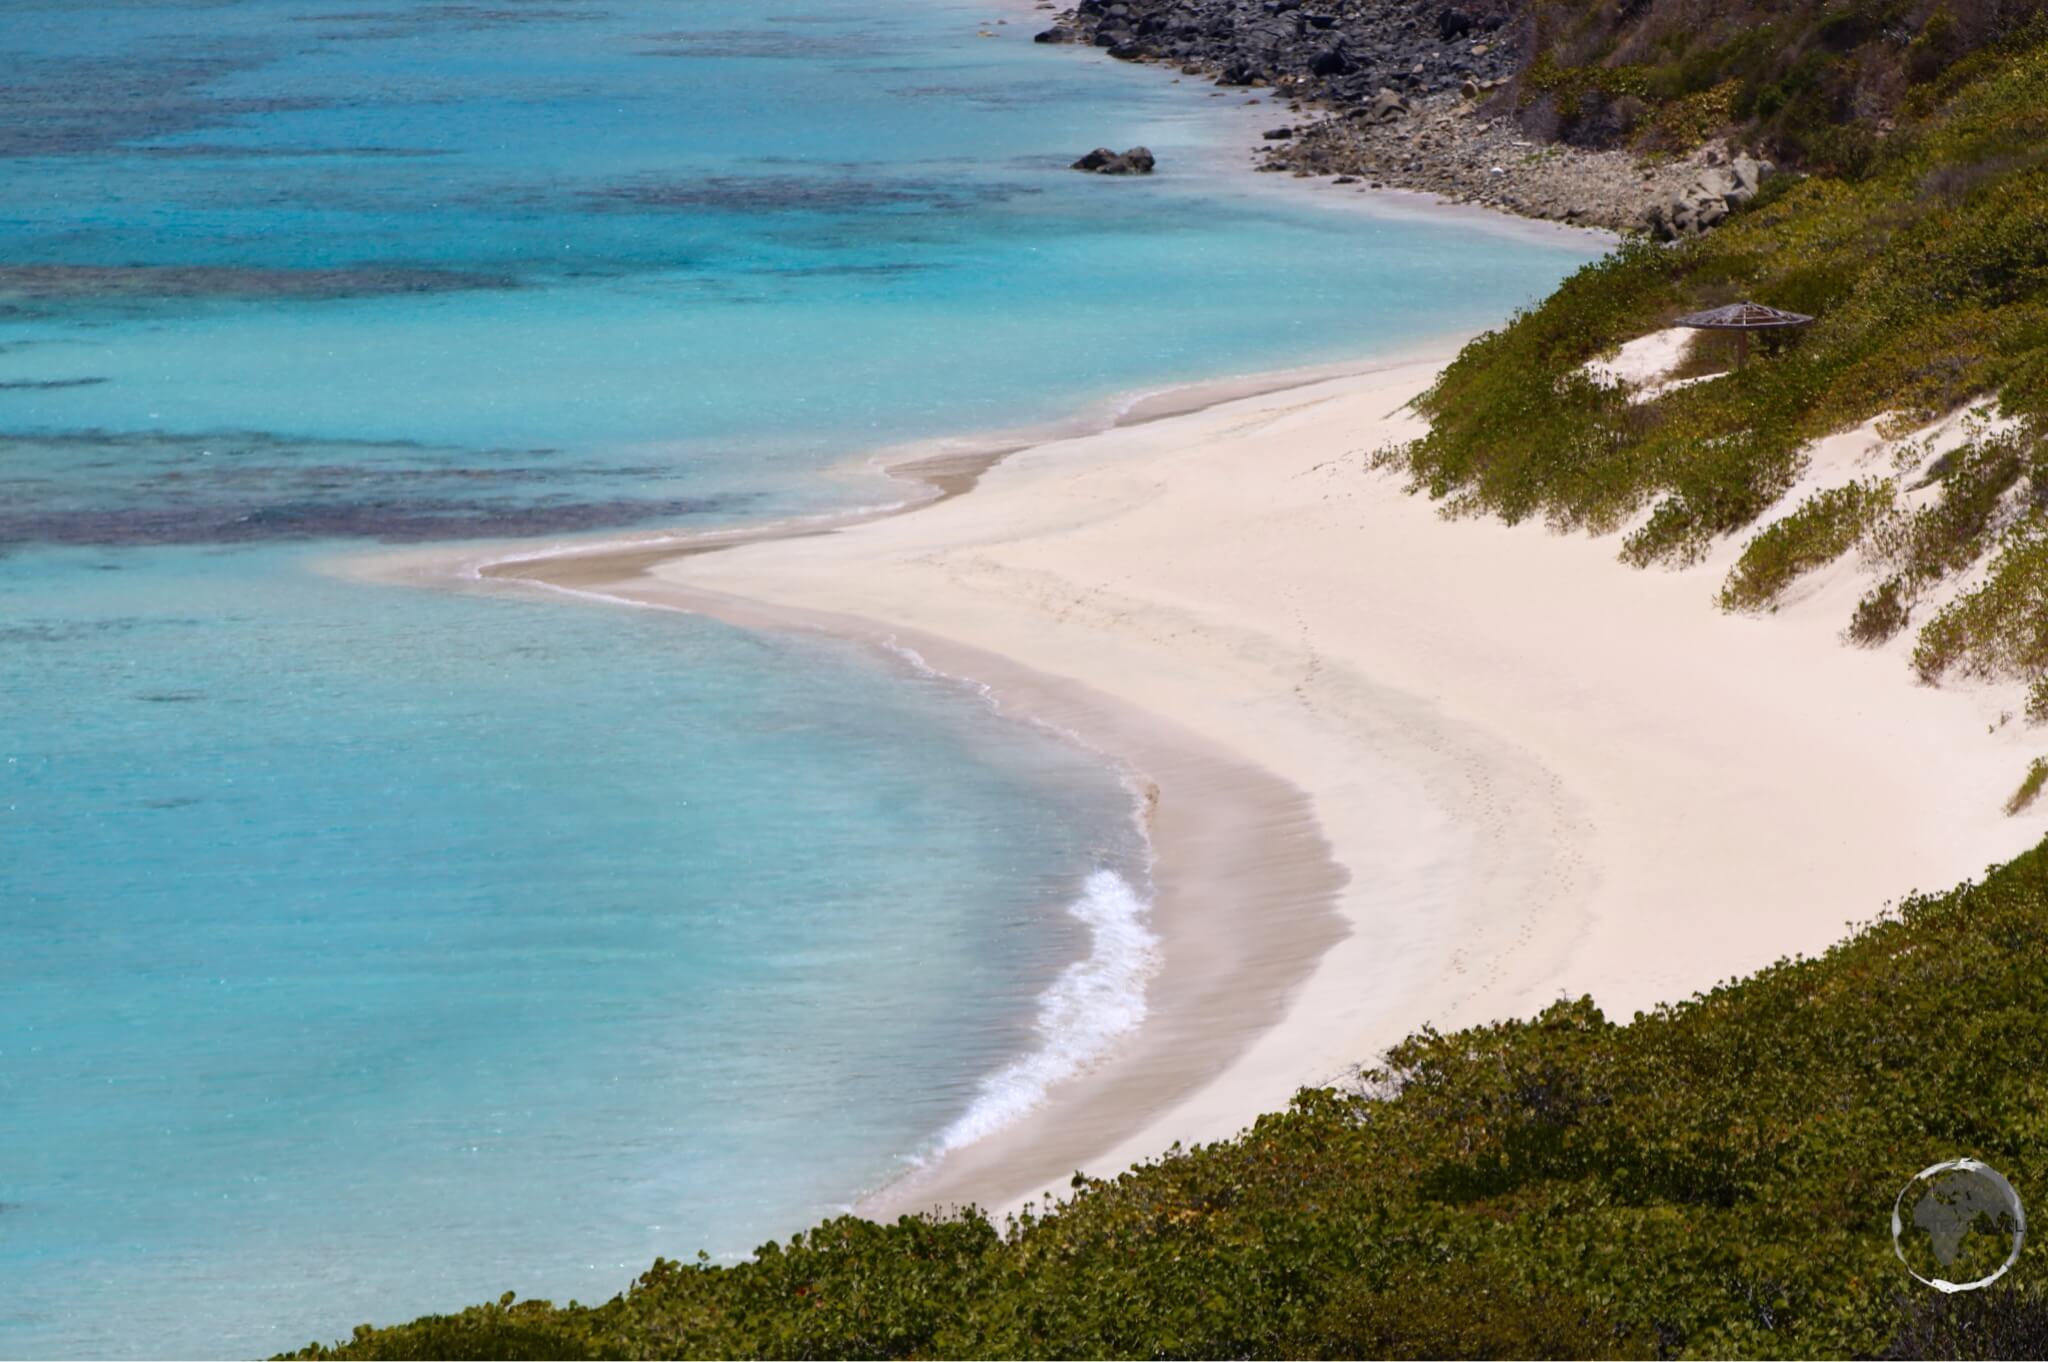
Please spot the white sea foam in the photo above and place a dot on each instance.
(1095, 1001)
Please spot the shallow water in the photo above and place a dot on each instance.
(365, 951)
(371, 950)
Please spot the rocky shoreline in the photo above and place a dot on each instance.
(1410, 94)
(1449, 146)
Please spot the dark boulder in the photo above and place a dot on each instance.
(1053, 35)
(1103, 161)
(1453, 24)
(1278, 134)
(1331, 61)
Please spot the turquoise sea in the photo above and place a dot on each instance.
(366, 951)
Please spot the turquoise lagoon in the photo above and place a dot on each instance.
(366, 951)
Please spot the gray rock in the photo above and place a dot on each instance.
(1722, 187)
(1386, 107)
(1749, 173)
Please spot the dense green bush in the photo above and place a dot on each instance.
(1806, 81)
(1987, 1324)
(1950, 533)
(1826, 526)
(1931, 542)
(2000, 628)
(1714, 1177)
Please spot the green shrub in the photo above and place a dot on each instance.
(1880, 614)
(1689, 119)
(1994, 1323)
(1999, 630)
(1951, 533)
(2030, 789)
(1462, 1310)
(1826, 526)
(1939, 43)
(1808, 80)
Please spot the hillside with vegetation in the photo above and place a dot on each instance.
(1596, 112)
(1714, 1177)
(1927, 270)
(1815, 84)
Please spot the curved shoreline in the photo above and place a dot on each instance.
(1246, 883)
(1407, 773)
(1535, 773)
(1234, 846)
(1243, 885)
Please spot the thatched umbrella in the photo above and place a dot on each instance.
(1742, 318)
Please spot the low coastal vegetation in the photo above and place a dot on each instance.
(2030, 788)
(1928, 271)
(1812, 83)
(1999, 628)
(1827, 525)
(1971, 501)
(1715, 1177)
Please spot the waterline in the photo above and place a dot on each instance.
(1095, 1003)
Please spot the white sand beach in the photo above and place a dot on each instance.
(1405, 771)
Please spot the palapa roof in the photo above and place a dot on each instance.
(1742, 317)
